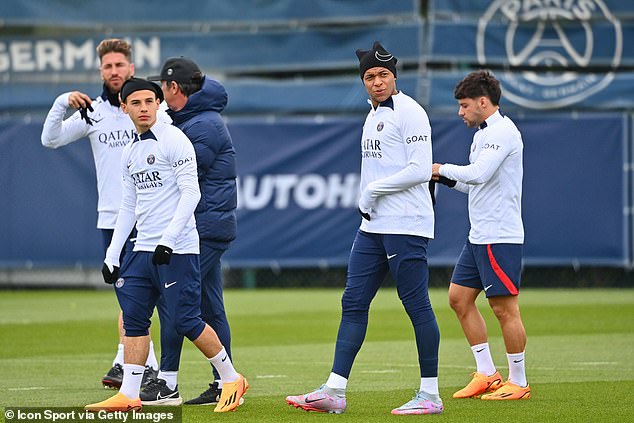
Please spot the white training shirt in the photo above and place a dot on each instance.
(160, 193)
(110, 132)
(396, 159)
(493, 180)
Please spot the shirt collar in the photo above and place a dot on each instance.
(113, 99)
(389, 102)
(147, 135)
(492, 119)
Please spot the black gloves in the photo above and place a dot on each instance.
(446, 181)
(108, 276)
(162, 255)
(366, 216)
(83, 112)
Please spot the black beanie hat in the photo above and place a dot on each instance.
(377, 57)
(138, 84)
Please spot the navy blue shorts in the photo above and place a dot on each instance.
(494, 268)
(178, 284)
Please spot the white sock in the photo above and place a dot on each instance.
(223, 365)
(336, 382)
(170, 378)
(132, 377)
(119, 357)
(151, 358)
(484, 362)
(517, 374)
(429, 385)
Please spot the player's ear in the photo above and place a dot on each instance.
(124, 107)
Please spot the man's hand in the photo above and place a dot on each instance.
(436, 176)
(110, 276)
(79, 100)
(435, 170)
(162, 255)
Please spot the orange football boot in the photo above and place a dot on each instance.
(509, 391)
(479, 385)
(118, 402)
(232, 393)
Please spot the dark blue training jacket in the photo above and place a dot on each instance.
(200, 120)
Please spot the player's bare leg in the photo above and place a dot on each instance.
(462, 300)
(114, 377)
(507, 311)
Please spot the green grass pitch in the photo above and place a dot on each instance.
(56, 345)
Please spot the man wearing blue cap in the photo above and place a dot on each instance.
(160, 193)
(397, 224)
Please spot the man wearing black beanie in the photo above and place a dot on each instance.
(397, 224)
(376, 57)
(159, 180)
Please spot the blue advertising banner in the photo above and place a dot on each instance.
(298, 188)
(49, 206)
(298, 191)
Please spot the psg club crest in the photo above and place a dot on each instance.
(119, 283)
(379, 127)
(547, 39)
(151, 159)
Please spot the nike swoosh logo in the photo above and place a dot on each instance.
(137, 373)
(225, 357)
(391, 256)
(487, 287)
(518, 361)
(160, 397)
(167, 285)
(480, 350)
(308, 401)
(383, 57)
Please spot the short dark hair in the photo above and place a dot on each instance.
(189, 88)
(480, 83)
(115, 45)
